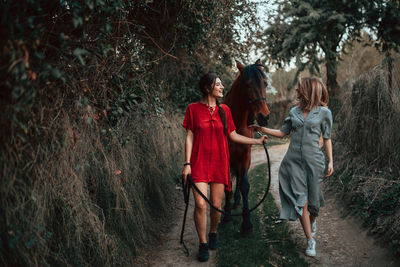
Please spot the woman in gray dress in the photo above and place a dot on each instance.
(303, 166)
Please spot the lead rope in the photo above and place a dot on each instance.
(186, 192)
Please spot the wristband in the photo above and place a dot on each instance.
(186, 163)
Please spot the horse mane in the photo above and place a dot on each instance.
(249, 73)
(253, 73)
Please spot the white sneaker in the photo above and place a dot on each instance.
(311, 244)
(314, 228)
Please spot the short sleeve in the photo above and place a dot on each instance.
(327, 125)
(188, 121)
(287, 126)
(229, 120)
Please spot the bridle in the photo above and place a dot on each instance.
(259, 99)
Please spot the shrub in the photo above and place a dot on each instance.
(367, 146)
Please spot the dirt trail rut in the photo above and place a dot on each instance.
(340, 241)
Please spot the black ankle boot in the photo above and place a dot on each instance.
(203, 254)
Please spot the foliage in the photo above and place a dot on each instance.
(357, 58)
(384, 20)
(314, 32)
(203, 35)
(86, 87)
(45, 40)
(284, 99)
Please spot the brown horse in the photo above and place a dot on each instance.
(247, 101)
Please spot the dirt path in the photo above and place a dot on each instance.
(340, 241)
(170, 252)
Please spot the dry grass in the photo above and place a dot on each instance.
(366, 149)
(71, 199)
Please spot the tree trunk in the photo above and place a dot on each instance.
(331, 82)
(331, 73)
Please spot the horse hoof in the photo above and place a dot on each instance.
(246, 231)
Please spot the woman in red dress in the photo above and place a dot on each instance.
(208, 124)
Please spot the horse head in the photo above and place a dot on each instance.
(253, 81)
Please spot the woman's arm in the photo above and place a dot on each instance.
(235, 137)
(273, 132)
(187, 170)
(328, 148)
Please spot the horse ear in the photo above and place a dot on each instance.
(260, 65)
(239, 66)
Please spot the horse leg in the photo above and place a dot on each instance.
(227, 209)
(247, 227)
(236, 196)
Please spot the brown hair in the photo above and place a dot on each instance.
(206, 85)
(311, 93)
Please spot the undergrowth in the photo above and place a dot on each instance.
(88, 202)
(366, 151)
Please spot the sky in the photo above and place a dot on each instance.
(265, 7)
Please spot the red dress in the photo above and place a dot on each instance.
(210, 154)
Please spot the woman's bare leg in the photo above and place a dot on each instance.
(217, 193)
(200, 212)
(305, 222)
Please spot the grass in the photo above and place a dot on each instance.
(270, 244)
(88, 202)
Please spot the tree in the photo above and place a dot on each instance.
(384, 20)
(314, 32)
(205, 35)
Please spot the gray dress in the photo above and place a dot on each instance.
(302, 168)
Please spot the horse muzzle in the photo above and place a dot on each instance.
(262, 120)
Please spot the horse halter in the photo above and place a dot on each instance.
(259, 99)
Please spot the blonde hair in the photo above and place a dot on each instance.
(311, 93)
